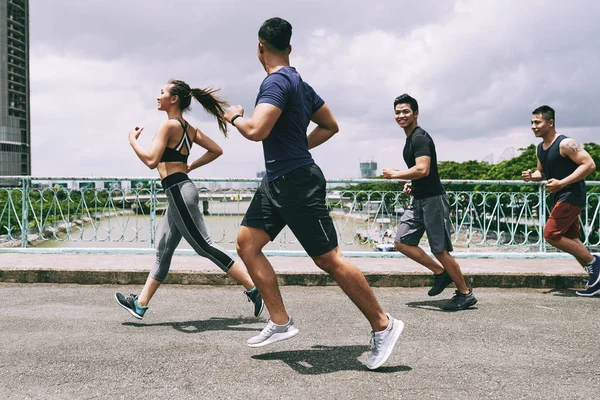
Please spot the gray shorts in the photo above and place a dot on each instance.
(431, 215)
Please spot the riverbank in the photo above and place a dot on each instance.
(60, 230)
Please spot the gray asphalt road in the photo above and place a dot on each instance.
(74, 342)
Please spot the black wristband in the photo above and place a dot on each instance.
(234, 118)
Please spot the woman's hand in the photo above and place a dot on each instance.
(135, 132)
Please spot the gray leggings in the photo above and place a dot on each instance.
(183, 218)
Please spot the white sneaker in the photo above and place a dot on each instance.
(274, 333)
(382, 343)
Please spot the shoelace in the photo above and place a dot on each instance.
(376, 341)
(268, 330)
(589, 269)
(248, 294)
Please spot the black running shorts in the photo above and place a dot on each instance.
(295, 199)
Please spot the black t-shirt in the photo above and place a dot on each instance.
(419, 144)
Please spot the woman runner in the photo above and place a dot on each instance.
(169, 153)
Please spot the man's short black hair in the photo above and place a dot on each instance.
(276, 32)
(406, 99)
(546, 112)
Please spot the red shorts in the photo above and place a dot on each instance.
(563, 221)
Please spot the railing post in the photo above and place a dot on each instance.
(153, 201)
(542, 215)
(24, 211)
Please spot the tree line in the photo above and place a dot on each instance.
(481, 170)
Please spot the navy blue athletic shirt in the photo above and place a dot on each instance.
(286, 147)
(558, 167)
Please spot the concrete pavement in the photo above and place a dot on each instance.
(74, 342)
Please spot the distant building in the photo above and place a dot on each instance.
(87, 185)
(140, 184)
(15, 151)
(112, 185)
(368, 169)
(212, 186)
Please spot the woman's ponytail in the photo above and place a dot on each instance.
(212, 104)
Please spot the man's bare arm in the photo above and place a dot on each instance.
(326, 127)
(570, 148)
(259, 125)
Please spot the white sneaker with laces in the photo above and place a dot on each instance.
(382, 343)
(273, 333)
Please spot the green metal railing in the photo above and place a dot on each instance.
(487, 216)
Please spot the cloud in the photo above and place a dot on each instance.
(478, 68)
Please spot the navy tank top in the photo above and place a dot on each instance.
(174, 154)
(558, 167)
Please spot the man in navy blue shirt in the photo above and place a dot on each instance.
(293, 193)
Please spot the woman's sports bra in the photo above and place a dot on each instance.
(173, 154)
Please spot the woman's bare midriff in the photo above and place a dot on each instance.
(168, 168)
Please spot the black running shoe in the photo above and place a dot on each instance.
(589, 291)
(460, 301)
(254, 297)
(440, 281)
(130, 304)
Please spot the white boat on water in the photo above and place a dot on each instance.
(382, 238)
(384, 247)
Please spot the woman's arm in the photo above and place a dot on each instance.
(213, 150)
(152, 157)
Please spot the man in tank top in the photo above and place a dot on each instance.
(565, 164)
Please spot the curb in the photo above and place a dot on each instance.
(99, 277)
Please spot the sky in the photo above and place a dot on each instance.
(477, 68)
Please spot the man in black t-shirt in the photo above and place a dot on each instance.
(429, 211)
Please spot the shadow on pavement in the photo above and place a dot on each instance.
(325, 359)
(434, 305)
(213, 324)
(563, 292)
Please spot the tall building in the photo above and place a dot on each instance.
(15, 150)
(368, 169)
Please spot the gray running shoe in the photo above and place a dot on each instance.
(130, 304)
(460, 301)
(382, 343)
(274, 333)
(440, 281)
(254, 297)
